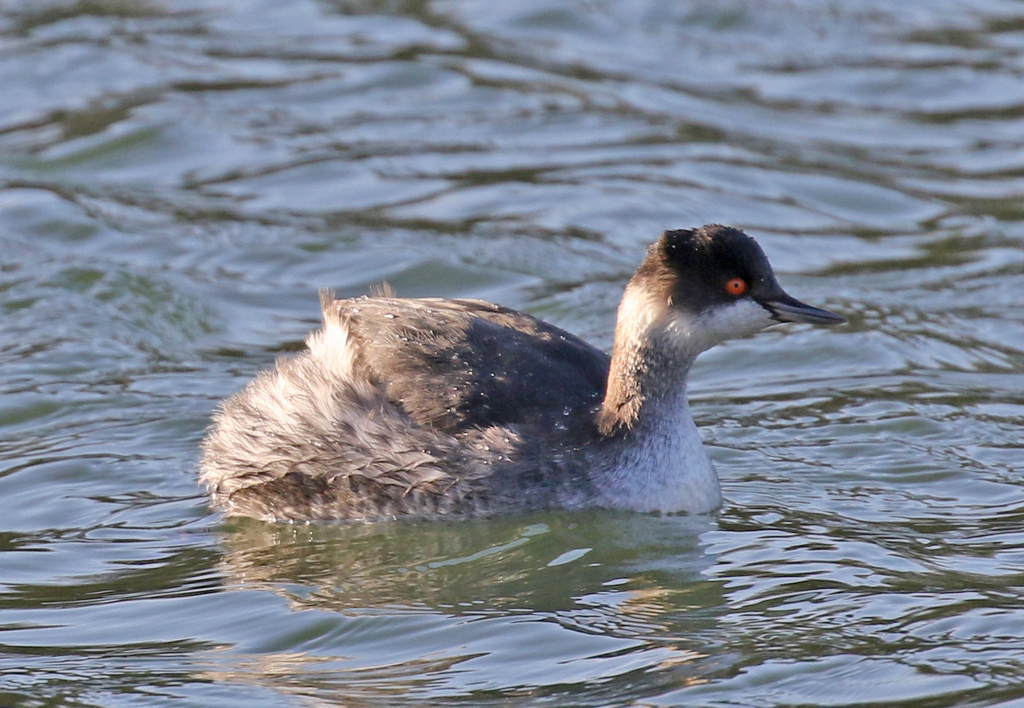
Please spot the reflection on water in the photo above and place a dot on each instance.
(178, 177)
(404, 601)
(482, 565)
(501, 601)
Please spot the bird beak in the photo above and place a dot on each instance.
(788, 309)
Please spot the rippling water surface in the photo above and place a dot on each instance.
(177, 178)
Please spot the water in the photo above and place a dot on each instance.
(178, 178)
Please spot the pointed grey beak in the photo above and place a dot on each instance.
(788, 309)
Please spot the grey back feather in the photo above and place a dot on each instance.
(399, 407)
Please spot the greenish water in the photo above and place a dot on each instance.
(178, 178)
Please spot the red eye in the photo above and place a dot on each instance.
(736, 286)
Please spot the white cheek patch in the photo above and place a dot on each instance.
(736, 319)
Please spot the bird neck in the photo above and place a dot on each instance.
(648, 370)
(652, 458)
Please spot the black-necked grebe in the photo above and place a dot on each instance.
(434, 408)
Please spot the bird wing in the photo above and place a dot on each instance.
(458, 364)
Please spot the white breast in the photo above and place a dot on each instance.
(664, 468)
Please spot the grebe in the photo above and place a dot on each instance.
(434, 408)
